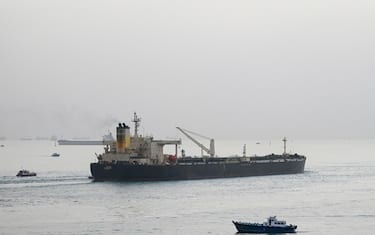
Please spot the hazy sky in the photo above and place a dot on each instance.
(224, 68)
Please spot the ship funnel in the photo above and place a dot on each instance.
(127, 137)
(123, 137)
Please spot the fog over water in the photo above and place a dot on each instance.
(228, 69)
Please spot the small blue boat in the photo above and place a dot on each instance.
(272, 225)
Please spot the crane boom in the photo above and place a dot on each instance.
(210, 151)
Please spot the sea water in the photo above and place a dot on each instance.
(335, 195)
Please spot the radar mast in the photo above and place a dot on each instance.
(136, 121)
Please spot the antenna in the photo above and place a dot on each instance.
(136, 121)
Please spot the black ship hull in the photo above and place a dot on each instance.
(261, 228)
(130, 172)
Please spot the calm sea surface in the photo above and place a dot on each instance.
(335, 195)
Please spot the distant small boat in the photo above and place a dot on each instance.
(25, 173)
(55, 155)
(272, 225)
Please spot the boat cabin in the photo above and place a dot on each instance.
(272, 221)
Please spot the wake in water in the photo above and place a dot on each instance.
(43, 180)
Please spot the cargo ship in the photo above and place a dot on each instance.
(138, 158)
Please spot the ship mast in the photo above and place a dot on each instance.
(136, 121)
(284, 140)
